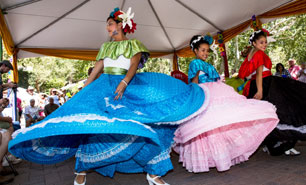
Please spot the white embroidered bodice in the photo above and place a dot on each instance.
(120, 62)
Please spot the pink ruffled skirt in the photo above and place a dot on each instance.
(228, 132)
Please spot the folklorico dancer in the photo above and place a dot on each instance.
(230, 129)
(120, 121)
(288, 96)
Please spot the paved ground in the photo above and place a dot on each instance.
(261, 169)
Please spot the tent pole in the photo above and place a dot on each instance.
(15, 111)
(223, 53)
(122, 5)
(20, 5)
(226, 72)
(15, 80)
(174, 62)
(1, 49)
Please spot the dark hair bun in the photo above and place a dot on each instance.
(256, 35)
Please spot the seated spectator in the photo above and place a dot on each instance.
(293, 69)
(7, 112)
(49, 108)
(281, 71)
(5, 122)
(54, 95)
(61, 97)
(6, 130)
(43, 101)
(302, 73)
(32, 113)
(65, 96)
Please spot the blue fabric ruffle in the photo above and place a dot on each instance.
(210, 73)
(130, 135)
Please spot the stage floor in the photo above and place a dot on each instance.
(261, 169)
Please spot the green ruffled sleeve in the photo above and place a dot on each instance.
(127, 48)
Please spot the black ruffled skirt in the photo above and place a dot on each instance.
(289, 97)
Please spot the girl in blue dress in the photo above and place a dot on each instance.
(120, 121)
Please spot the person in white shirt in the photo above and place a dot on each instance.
(32, 113)
(30, 95)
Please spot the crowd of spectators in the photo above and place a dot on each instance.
(295, 71)
(31, 107)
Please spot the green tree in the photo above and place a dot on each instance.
(290, 36)
(45, 73)
(158, 65)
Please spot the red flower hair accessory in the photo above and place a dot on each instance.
(267, 33)
(128, 24)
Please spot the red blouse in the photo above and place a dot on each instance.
(258, 59)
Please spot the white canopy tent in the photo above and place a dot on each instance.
(76, 28)
(162, 25)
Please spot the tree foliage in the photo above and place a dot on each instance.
(158, 65)
(290, 34)
(44, 73)
(51, 72)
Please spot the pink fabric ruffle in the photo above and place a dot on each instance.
(226, 133)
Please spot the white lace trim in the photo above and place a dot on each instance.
(111, 105)
(90, 158)
(161, 157)
(203, 107)
(114, 107)
(301, 129)
(138, 112)
(81, 118)
(37, 147)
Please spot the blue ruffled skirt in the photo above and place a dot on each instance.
(130, 135)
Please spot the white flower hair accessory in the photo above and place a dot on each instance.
(128, 24)
(127, 18)
(195, 41)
